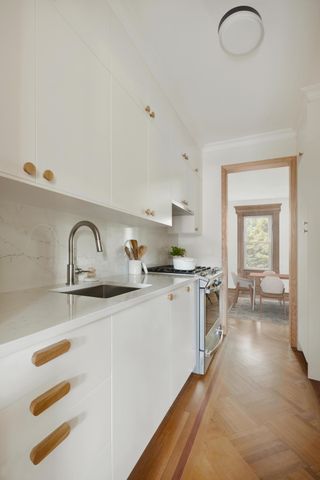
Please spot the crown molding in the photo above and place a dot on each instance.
(285, 134)
(311, 92)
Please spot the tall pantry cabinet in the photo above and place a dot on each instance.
(309, 230)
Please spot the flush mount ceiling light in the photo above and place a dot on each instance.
(240, 30)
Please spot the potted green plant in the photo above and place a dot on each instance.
(180, 262)
(177, 251)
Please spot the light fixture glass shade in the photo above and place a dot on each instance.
(241, 30)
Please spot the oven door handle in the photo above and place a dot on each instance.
(210, 352)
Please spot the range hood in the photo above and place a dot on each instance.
(179, 209)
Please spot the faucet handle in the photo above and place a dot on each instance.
(91, 271)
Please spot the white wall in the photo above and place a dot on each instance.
(34, 242)
(284, 220)
(207, 247)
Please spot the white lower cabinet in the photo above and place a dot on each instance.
(69, 460)
(85, 409)
(183, 344)
(123, 375)
(141, 379)
(153, 354)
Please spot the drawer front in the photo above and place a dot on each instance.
(90, 427)
(84, 365)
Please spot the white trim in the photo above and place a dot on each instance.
(287, 133)
(311, 92)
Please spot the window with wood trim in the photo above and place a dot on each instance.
(258, 237)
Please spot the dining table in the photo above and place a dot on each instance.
(259, 275)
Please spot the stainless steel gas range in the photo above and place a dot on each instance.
(209, 328)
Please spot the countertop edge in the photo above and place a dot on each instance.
(40, 336)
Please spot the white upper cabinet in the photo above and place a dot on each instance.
(17, 86)
(159, 170)
(73, 125)
(91, 20)
(127, 65)
(82, 114)
(191, 224)
(129, 152)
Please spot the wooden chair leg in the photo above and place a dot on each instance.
(236, 295)
(251, 296)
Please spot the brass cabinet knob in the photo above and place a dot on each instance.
(188, 289)
(30, 169)
(196, 229)
(48, 175)
(170, 297)
(185, 156)
(148, 211)
(196, 170)
(149, 111)
(152, 213)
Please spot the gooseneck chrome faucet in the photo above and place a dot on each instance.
(72, 271)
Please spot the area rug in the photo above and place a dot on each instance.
(272, 311)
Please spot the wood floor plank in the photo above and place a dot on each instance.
(217, 460)
(301, 437)
(254, 415)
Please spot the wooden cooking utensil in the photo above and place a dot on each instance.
(135, 248)
(142, 251)
(129, 253)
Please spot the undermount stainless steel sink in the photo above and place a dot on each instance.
(101, 291)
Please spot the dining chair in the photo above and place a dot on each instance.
(242, 285)
(272, 287)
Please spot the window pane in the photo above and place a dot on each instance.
(257, 242)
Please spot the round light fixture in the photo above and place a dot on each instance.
(240, 30)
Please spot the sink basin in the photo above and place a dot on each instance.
(101, 291)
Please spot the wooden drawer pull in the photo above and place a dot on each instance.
(49, 353)
(48, 444)
(48, 398)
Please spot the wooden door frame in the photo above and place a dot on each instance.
(290, 162)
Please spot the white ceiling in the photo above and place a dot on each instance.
(218, 96)
(259, 185)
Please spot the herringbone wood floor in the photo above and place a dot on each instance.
(254, 415)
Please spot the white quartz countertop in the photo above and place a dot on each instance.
(31, 316)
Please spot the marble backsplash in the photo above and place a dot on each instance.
(34, 245)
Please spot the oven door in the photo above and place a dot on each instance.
(212, 329)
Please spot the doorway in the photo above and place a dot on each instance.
(290, 162)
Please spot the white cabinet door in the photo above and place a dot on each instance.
(73, 125)
(129, 152)
(141, 379)
(91, 19)
(159, 162)
(128, 66)
(89, 420)
(17, 85)
(183, 319)
(191, 224)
